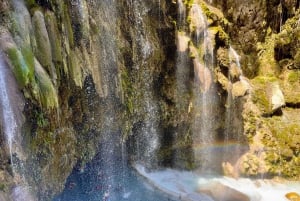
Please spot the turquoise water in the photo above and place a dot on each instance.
(117, 183)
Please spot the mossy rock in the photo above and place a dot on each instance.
(80, 20)
(282, 145)
(22, 66)
(54, 37)
(297, 60)
(260, 95)
(74, 68)
(47, 93)
(43, 50)
(290, 82)
(268, 66)
(68, 26)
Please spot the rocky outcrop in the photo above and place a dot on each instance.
(81, 85)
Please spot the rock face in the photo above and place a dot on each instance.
(77, 63)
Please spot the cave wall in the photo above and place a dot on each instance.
(76, 62)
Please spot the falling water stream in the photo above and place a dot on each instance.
(205, 96)
(8, 117)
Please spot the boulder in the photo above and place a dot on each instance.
(219, 191)
(240, 88)
(293, 196)
(229, 170)
(223, 80)
(276, 97)
(234, 72)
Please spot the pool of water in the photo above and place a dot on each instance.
(115, 184)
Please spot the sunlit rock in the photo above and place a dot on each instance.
(234, 72)
(239, 89)
(292, 196)
(182, 42)
(222, 79)
(276, 96)
(203, 75)
(230, 170)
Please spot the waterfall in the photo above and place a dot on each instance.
(205, 96)
(232, 136)
(109, 157)
(9, 122)
(148, 142)
(182, 13)
(236, 59)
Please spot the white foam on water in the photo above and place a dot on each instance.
(184, 185)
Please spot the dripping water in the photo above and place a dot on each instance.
(205, 98)
(8, 117)
(147, 143)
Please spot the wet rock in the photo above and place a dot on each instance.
(21, 193)
(219, 191)
(198, 22)
(54, 37)
(234, 72)
(203, 75)
(23, 26)
(42, 49)
(46, 91)
(4, 197)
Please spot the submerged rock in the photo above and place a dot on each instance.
(219, 191)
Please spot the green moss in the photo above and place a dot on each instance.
(283, 155)
(268, 65)
(41, 119)
(29, 59)
(128, 91)
(2, 187)
(43, 47)
(259, 94)
(46, 91)
(297, 59)
(54, 37)
(220, 34)
(68, 26)
(188, 3)
(294, 76)
(74, 69)
(30, 3)
(21, 70)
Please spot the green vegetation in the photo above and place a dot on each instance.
(47, 93)
(2, 187)
(283, 152)
(128, 91)
(22, 71)
(68, 26)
